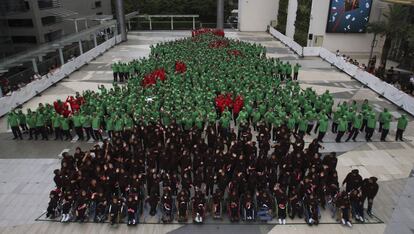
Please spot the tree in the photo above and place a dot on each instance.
(393, 27)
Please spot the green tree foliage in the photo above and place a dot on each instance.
(302, 22)
(393, 27)
(282, 16)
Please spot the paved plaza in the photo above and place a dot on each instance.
(26, 167)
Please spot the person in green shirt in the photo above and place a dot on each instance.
(225, 125)
(96, 126)
(303, 126)
(383, 117)
(256, 116)
(296, 71)
(322, 127)
(41, 126)
(356, 127)
(401, 126)
(288, 70)
(13, 123)
(56, 124)
(77, 124)
(371, 123)
(385, 123)
(66, 128)
(109, 126)
(342, 127)
(115, 70)
(31, 122)
(22, 121)
(86, 121)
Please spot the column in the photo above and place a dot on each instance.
(150, 23)
(119, 4)
(94, 40)
(220, 14)
(80, 47)
(76, 26)
(62, 60)
(34, 65)
(193, 23)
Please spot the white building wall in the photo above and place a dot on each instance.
(291, 18)
(255, 15)
(345, 42)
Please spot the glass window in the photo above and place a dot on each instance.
(24, 39)
(24, 23)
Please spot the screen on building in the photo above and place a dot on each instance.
(348, 16)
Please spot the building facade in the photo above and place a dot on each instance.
(24, 23)
(265, 12)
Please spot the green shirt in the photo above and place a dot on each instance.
(77, 121)
(13, 120)
(402, 123)
(323, 125)
(65, 124)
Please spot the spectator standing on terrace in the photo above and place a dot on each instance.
(411, 83)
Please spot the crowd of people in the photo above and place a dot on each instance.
(205, 125)
(402, 81)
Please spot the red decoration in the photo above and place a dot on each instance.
(151, 78)
(217, 32)
(180, 67)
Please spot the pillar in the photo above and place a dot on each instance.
(119, 4)
(62, 60)
(35, 65)
(80, 47)
(95, 42)
(220, 14)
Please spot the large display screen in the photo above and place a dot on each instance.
(348, 16)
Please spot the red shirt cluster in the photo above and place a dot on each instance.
(238, 104)
(151, 78)
(224, 101)
(180, 67)
(75, 103)
(68, 107)
(217, 32)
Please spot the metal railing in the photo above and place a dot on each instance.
(46, 4)
(172, 22)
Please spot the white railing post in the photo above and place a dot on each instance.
(172, 23)
(193, 23)
(62, 60)
(150, 23)
(76, 25)
(129, 25)
(94, 40)
(80, 47)
(35, 65)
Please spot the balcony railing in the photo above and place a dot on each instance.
(47, 4)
